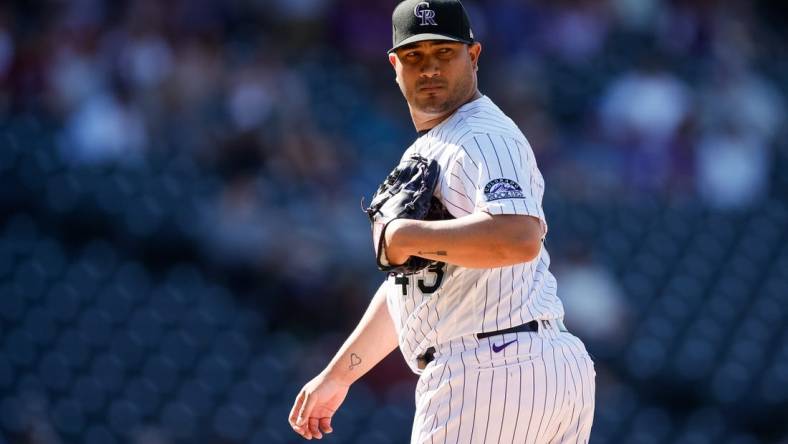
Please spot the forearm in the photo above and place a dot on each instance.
(371, 341)
(478, 240)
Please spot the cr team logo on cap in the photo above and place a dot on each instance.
(427, 16)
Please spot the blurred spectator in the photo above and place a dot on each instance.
(594, 303)
(244, 224)
(250, 101)
(74, 76)
(733, 168)
(578, 29)
(685, 28)
(641, 112)
(192, 92)
(741, 113)
(104, 128)
(735, 95)
(146, 61)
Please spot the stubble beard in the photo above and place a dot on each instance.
(456, 97)
(435, 105)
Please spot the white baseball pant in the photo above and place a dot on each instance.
(538, 388)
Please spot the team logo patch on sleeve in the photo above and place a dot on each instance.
(502, 189)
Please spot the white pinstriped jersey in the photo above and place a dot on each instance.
(486, 165)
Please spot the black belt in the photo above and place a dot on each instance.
(533, 326)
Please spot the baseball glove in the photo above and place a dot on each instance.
(407, 193)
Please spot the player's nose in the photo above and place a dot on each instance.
(430, 73)
(430, 67)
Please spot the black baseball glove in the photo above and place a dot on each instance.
(407, 193)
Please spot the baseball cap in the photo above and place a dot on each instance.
(419, 20)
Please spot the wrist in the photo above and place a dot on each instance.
(339, 375)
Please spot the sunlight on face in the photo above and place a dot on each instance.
(436, 76)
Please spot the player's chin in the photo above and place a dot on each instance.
(433, 104)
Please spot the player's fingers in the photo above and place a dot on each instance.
(325, 425)
(301, 431)
(296, 408)
(314, 428)
(306, 408)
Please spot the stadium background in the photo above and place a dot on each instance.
(181, 245)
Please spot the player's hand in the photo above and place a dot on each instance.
(315, 405)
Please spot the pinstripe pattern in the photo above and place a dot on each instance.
(540, 390)
(476, 145)
(543, 394)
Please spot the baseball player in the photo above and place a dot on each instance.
(482, 325)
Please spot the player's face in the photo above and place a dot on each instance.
(436, 76)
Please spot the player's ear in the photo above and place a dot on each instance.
(474, 50)
(393, 59)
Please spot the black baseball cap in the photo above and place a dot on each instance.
(419, 20)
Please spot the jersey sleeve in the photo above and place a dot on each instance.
(497, 175)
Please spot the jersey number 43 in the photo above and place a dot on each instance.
(436, 268)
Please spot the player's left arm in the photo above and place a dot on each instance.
(478, 240)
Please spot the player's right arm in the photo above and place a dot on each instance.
(372, 340)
